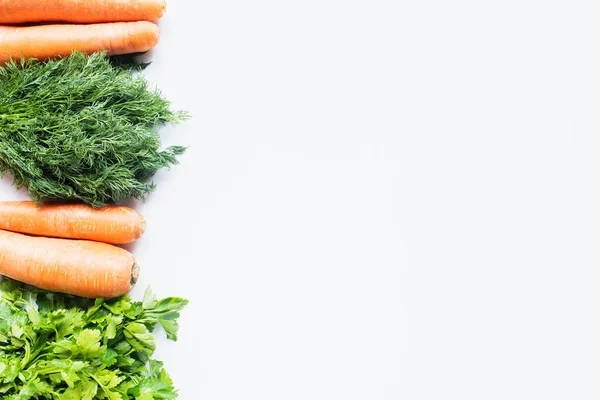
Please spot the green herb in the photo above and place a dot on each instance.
(70, 348)
(80, 128)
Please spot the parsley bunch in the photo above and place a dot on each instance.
(70, 348)
(80, 128)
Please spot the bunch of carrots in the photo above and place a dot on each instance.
(59, 27)
(70, 248)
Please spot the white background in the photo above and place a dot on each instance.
(381, 199)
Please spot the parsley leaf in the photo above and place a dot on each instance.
(63, 347)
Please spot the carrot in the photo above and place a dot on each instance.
(49, 41)
(87, 11)
(110, 224)
(78, 267)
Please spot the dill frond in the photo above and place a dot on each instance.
(79, 128)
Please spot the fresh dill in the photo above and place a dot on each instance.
(79, 128)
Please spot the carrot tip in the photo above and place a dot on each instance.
(135, 273)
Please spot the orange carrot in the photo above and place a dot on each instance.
(78, 267)
(86, 11)
(49, 41)
(110, 224)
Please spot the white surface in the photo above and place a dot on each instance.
(382, 199)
